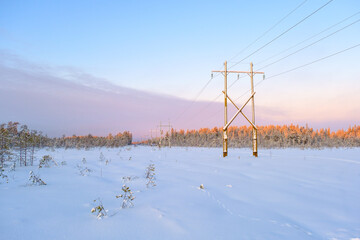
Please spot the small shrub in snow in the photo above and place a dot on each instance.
(129, 178)
(84, 171)
(83, 161)
(35, 179)
(45, 161)
(63, 163)
(202, 186)
(99, 209)
(150, 175)
(3, 176)
(127, 197)
(129, 158)
(102, 157)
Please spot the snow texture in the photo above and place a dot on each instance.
(282, 194)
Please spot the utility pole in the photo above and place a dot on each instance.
(169, 133)
(161, 132)
(225, 72)
(254, 133)
(160, 135)
(225, 133)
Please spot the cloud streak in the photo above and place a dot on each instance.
(68, 101)
(34, 95)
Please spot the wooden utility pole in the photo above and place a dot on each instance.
(226, 123)
(254, 133)
(169, 133)
(225, 132)
(161, 132)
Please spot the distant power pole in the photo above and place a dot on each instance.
(169, 126)
(251, 73)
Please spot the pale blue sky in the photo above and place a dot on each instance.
(170, 47)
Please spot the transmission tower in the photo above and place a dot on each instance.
(161, 126)
(251, 73)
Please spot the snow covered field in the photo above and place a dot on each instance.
(283, 194)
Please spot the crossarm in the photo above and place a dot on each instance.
(221, 71)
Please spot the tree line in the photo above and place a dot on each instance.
(268, 137)
(118, 140)
(18, 143)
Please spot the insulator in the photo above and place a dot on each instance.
(212, 75)
(264, 77)
(238, 77)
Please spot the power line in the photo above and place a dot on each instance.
(304, 47)
(312, 62)
(277, 37)
(283, 33)
(261, 36)
(267, 31)
(216, 98)
(212, 101)
(196, 97)
(301, 66)
(293, 69)
(283, 59)
(313, 43)
(307, 39)
(315, 61)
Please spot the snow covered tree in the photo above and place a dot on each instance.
(3, 176)
(23, 143)
(34, 141)
(150, 175)
(45, 161)
(5, 143)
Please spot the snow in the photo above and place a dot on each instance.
(282, 194)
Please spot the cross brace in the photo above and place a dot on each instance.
(239, 111)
